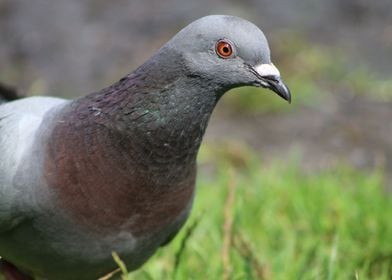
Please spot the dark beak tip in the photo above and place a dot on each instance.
(282, 90)
(276, 84)
(288, 95)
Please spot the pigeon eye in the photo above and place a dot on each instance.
(224, 49)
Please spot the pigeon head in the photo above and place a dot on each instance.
(229, 52)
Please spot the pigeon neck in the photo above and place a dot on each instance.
(131, 149)
(156, 118)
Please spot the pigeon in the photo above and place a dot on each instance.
(114, 170)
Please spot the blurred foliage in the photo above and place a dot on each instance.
(313, 72)
(334, 224)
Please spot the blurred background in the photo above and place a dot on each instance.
(336, 56)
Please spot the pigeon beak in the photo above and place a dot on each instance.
(269, 77)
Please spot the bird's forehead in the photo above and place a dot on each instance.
(250, 42)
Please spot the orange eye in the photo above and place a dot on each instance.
(224, 49)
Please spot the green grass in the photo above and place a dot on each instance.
(335, 224)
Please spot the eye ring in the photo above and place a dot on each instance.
(224, 49)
